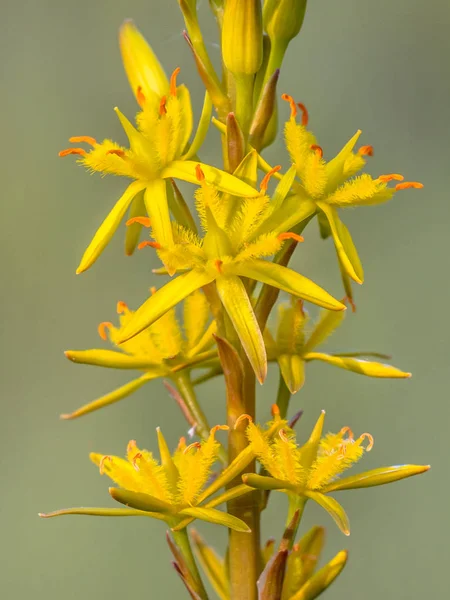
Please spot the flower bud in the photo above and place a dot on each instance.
(283, 18)
(242, 38)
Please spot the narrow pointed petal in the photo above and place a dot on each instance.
(141, 501)
(262, 482)
(202, 128)
(283, 188)
(323, 578)
(309, 450)
(235, 299)
(109, 226)
(155, 198)
(163, 300)
(212, 565)
(132, 234)
(112, 360)
(333, 508)
(376, 477)
(294, 210)
(357, 365)
(343, 242)
(170, 469)
(96, 512)
(224, 182)
(325, 326)
(211, 515)
(111, 398)
(287, 280)
(335, 168)
(292, 367)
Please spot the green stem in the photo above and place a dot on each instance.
(283, 397)
(295, 503)
(244, 102)
(181, 539)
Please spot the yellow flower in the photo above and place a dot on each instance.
(293, 348)
(157, 152)
(162, 350)
(312, 470)
(231, 249)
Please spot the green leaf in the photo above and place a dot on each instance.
(363, 367)
(375, 477)
(112, 397)
(109, 226)
(112, 359)
(212, 566)
(235, 299)
(155, 198)
(325, 326)
(141, 501)
(163, 300)
(292, 367)
(287, 280)
(133, 231)
(333, 508)
(211, 515)
(323, 578)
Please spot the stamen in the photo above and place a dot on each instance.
(242, 418)
(283, 436)
(219, 428)
(218, 264)
(117, 152)
(68, 151)
(409, 184)
(366, 151)
(122, 308)
(102, 329)
(155, 245)
(140, 97)
(131, 446)
(292, 104)
(390, 177)
(290, 235)
(368, 437)
(83, 138)
(265, 182)
(173, 82)
(275, 410)
(145, 221)
(135, 459)
(153, 290)
(182, 443)
(193, 445)
(199, 173)
(351, 302)
(305, 114)
(301, 305)
(101, 466)
(348, 431)
(162, 106)
(317, 149)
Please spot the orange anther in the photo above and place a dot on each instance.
(391, 177)
(219, 428)
(122, 308)
(290, 235)
(155, 245)
(131, 446)
(102, 329)
(145, 221)
(348, 431)
(265, 182)
(136, 457)
(351, 302)
(242, 418)
(68, 151)
(292, 104)
(101, 466)
(218, 264)
(199, 173)
(162, 106)
(117, 152)
(83, 138)
(153, 290)
(140, 97)
(317, 149)
(193, 445)
(283, 435)
(368, 437)
(366, 151)
(173, 82)
(305, 114)
(182, 443)
(275, 410)
(409, 184)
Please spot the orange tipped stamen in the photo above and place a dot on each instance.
(162, 106)
(366, 151)
(283, 436)
(193, 445)
(182, 443)
(290, 235)
(351, 302)
(265, 182)
(102, 329)
(131, 446)
(153, 290)
(242, 418)
(140, 97)
(292, 104)
(68, 151)
(122, 308)
(155, 245)
(83, 138)
(173, 82)
(219, 428)
(348, 431)
(101, 466)
(409, 184)
(391, 177)
(199, 173)
(368, 437)
(218, 264)
(305, 114)
(135, 459)
(275, 410)
(117, 152)
(317, 149)
(145, 221)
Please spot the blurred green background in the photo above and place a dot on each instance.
(380, 66)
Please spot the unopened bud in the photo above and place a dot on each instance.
(242, 36)
(283, 19)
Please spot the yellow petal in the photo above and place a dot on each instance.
(335, 168)
(111, 359)
(292, 367)
(211, 515)
(325, 326)
(375, 477)
(155, 198)
(363, 367)
(321, 580)
(137, 209)
(333, 508)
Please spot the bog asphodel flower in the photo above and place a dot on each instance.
(157, 152)
(231, 249)
(165, 349)
(312, 471)
(295, 345)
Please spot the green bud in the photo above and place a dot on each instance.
(283, 19)
(242, 36)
